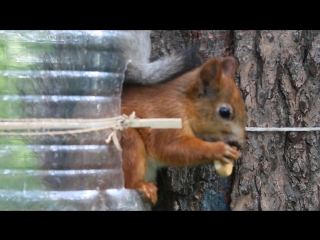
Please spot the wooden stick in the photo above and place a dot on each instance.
(157, 123)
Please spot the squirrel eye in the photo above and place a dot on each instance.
(225, 112)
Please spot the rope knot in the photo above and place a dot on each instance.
(122, 124)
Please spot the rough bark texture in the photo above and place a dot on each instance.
(278, 74)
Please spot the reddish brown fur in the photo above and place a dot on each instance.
(195, 97)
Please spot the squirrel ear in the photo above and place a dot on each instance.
(210, 73)
(229, 66)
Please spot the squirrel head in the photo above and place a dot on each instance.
(220, 112)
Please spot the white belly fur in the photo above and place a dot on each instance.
(152, 167)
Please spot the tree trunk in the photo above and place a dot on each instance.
(278, 74)
(278, 77)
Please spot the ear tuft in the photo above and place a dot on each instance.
(229, 66)
(211, 71)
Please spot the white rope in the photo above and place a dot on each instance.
(283, 129)
(116, 124)
(83, 126)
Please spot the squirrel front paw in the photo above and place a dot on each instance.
(148, 190)
(224, 166)
(225, 153)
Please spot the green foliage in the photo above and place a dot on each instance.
(17, 54)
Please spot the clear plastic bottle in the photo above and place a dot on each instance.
(62, 74)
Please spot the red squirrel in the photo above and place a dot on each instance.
(213, 117)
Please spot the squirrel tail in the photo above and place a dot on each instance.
(163, 69)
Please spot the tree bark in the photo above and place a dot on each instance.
(278, 75)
